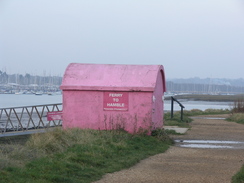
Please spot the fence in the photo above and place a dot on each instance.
(29, 117)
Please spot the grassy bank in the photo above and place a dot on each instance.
(75, 155)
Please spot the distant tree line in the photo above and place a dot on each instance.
(29, 79)
(203, 88)
(177, 86)
(209, 81)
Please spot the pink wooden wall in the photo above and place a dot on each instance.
(107, 96)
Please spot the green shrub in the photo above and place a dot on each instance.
(238, 106)
(237, 117)
(162, 134)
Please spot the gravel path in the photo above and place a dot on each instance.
(186, 165)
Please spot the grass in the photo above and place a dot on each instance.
(239, 177)
(237, 117)
(237, 112)
(12, 139)
(76, 155)
(238, 106)
(176, 120)
(197, 112)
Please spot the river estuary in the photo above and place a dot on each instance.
(13, 100)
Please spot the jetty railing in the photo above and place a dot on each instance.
(26, 118)
(172, 108)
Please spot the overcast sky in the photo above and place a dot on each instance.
(189, 38)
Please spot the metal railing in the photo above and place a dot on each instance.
(172, 108)
(28, 118)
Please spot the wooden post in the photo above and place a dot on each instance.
(172, 107)
(181, 116)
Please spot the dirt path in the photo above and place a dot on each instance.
(186, 165)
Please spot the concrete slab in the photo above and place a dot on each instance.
(176, 129)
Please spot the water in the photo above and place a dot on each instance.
(206, 146)
(210, 144)
(12, 100)
(209, 141)
(193, 117)
(202, 105)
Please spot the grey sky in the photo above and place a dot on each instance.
(189, 38)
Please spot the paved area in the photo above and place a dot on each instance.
(188, 165)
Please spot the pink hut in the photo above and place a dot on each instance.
(107, 96)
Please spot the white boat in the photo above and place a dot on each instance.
(19, 93)
(38, 93)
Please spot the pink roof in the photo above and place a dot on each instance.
(111, 77)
